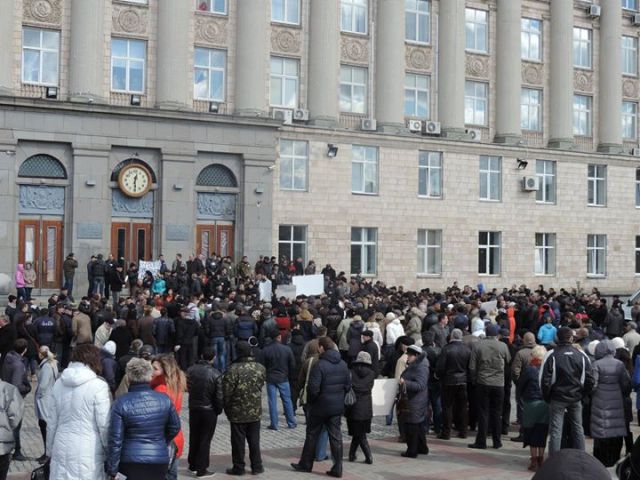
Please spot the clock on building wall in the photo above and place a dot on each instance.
(134, 180)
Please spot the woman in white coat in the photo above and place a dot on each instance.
(47, 376)
(77, 432)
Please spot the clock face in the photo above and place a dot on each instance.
(134, 180)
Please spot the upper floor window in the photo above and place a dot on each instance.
(416, 95)
(128, 60)
(630, 4)
(292, 242)
(546, 173)
(353, 89)
(294, 159)
(629, 120)
(475, 103)
(353, 16)
(531, 109)
(284, 82)
(430, 174)
(209, 74)
(364, 169)
(490, 178)
(629, 55)
(597, 185)
(417, 20)
(214, 6)
(582, 115)
(638, 187)
(582, 47)
(476, 30)
(531, 39)
(285, 11)
(40, 54)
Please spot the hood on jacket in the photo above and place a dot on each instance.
(20, 267)
(604, 348)
(76, 374)
(529, 340)
(396, 321)
(332, 356)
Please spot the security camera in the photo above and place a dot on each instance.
(90, 100)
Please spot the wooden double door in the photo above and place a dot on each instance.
(216, 238)
(41, 244)
(131, 241)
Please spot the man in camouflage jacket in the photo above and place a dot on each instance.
(242, 385)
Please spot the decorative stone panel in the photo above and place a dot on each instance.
(89, 231)
(532, 73)
(216, 206)
(123, 206)
(630, 88)
(418, 58)
(211, 30)
(41, 199)
(354, 50)
(285, 40)
(131, 20)
(583, 81)
(177, 233)
(42, 11)
(477, 66)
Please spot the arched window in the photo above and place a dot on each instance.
(216, 175)
(42, 166)
(129, 161)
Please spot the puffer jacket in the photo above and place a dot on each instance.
(612, 385)
(354, 337)
(332, 323)
(12, 407)
(416, 379)
(279, 362)
(566, 375)
(453, 364)
(245, 328)
(528, 387)
(19, 278)
(45, 330)
(109, 369)
(204, 383)
(163, 331)
(14, 372)
(329, 381)
(242, 386)
(614, 323)
(489, 359)
(394, 331)
(143, 422)
(362, 378)
(47, 376)
(81, 328)
(523, 356)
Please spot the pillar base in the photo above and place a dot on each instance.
(86, 98)
(328, 122)
(454, 133)
(612, 148)
(562, 143)
(392, 128)
(508, 139)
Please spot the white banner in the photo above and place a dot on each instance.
(309, 284)
(153, 267)
(265, 291)
(383, 395)
(489, 306)
(286, 291)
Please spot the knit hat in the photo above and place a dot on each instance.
(456, 334)
(390, 316)
(414, 350)
(110, 347)
(591, 348)
(492, 330)
(367, 333)
(243, 349)
(363, 357)
(618, 342)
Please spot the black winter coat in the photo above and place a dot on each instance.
(612, 385)
(109, 370)
(186, 329)
(329, 381)
(567, 375)
(163, 331)
(45, 330)
(372, 349)
(416, 380)
(452, 367)
(354, 337)
(279, 362)
(204, 384)
(362, 378)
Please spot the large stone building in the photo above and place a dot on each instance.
(416, 141)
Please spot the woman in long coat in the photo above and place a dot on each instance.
(47, 376)
(360, 413)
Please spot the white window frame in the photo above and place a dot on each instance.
(365, 159)
(630, 5)
(421, 19)
(493, 170)
(596, 255)
(353, 87)
(597, 185)
(527, 34)
(545, 254)
(415, 91)
(582, 48)
(284, 79)
(429, 252)
(546, 173)
(42, 51)
(365, 241)
(211, 6)
(291, 160)
(638, 187)
(129, 59)
(492, 249)
(289, 244)
(287, 7)
(139, 2)
(629, 55)
(429, 165)
(476, 28)
(210, 70)
(530, 110)
(629, 120)
(472, 102)
(354, 8)
(582, 113)
(637, 256)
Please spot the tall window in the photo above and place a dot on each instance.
(597, 189)
(430, 252)
(531, 39)
(40, 53)
(430, 174)
(490, 178)
(629, 55)
(364, 169)
(531, 109)
(285, 11)
(294, 158)
(582, 105)
(637, 255)
(292, 241)
(630, 4)
(213, 6)
(545, 263)
(128, 60)
(476, 30)
(546, 173)
(629, 120)
(417, 20)
(364, 246)
(353, 89)
(582, 48)
(489, 245)
(353, 16)
(475, 103)
(638, 187)
(416, 95)
(209, 74)
(284, 82)
(597, 255)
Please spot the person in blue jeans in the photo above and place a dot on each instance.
(279, 361)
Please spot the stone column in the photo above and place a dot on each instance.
(7, 57)
(9, 198)
(257, 207)
(86, 62)
(610, 78)
(390, 65)
(509, 67)
(252, 72)
(451, 68)
(561, 91)
(174, 87)
(324, 63)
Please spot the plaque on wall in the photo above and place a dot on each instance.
(177, 233)
(124, 206)
(89, 231)
(216, 206)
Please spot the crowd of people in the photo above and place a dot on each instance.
(112, 369)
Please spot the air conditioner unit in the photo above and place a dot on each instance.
(414, 126)
(369, 124)
(283, 114)
(301, 115)
(530, 184)
(475, 134)
(432, 128)
(594, 11)
(635, 20)
(635, 151)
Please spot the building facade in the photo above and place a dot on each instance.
(415, 141)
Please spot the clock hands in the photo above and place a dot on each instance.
(135, 181)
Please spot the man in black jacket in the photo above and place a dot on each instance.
(371, 347)
(206, 402)
(186, 331)
(217, 329)
(279, 362)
